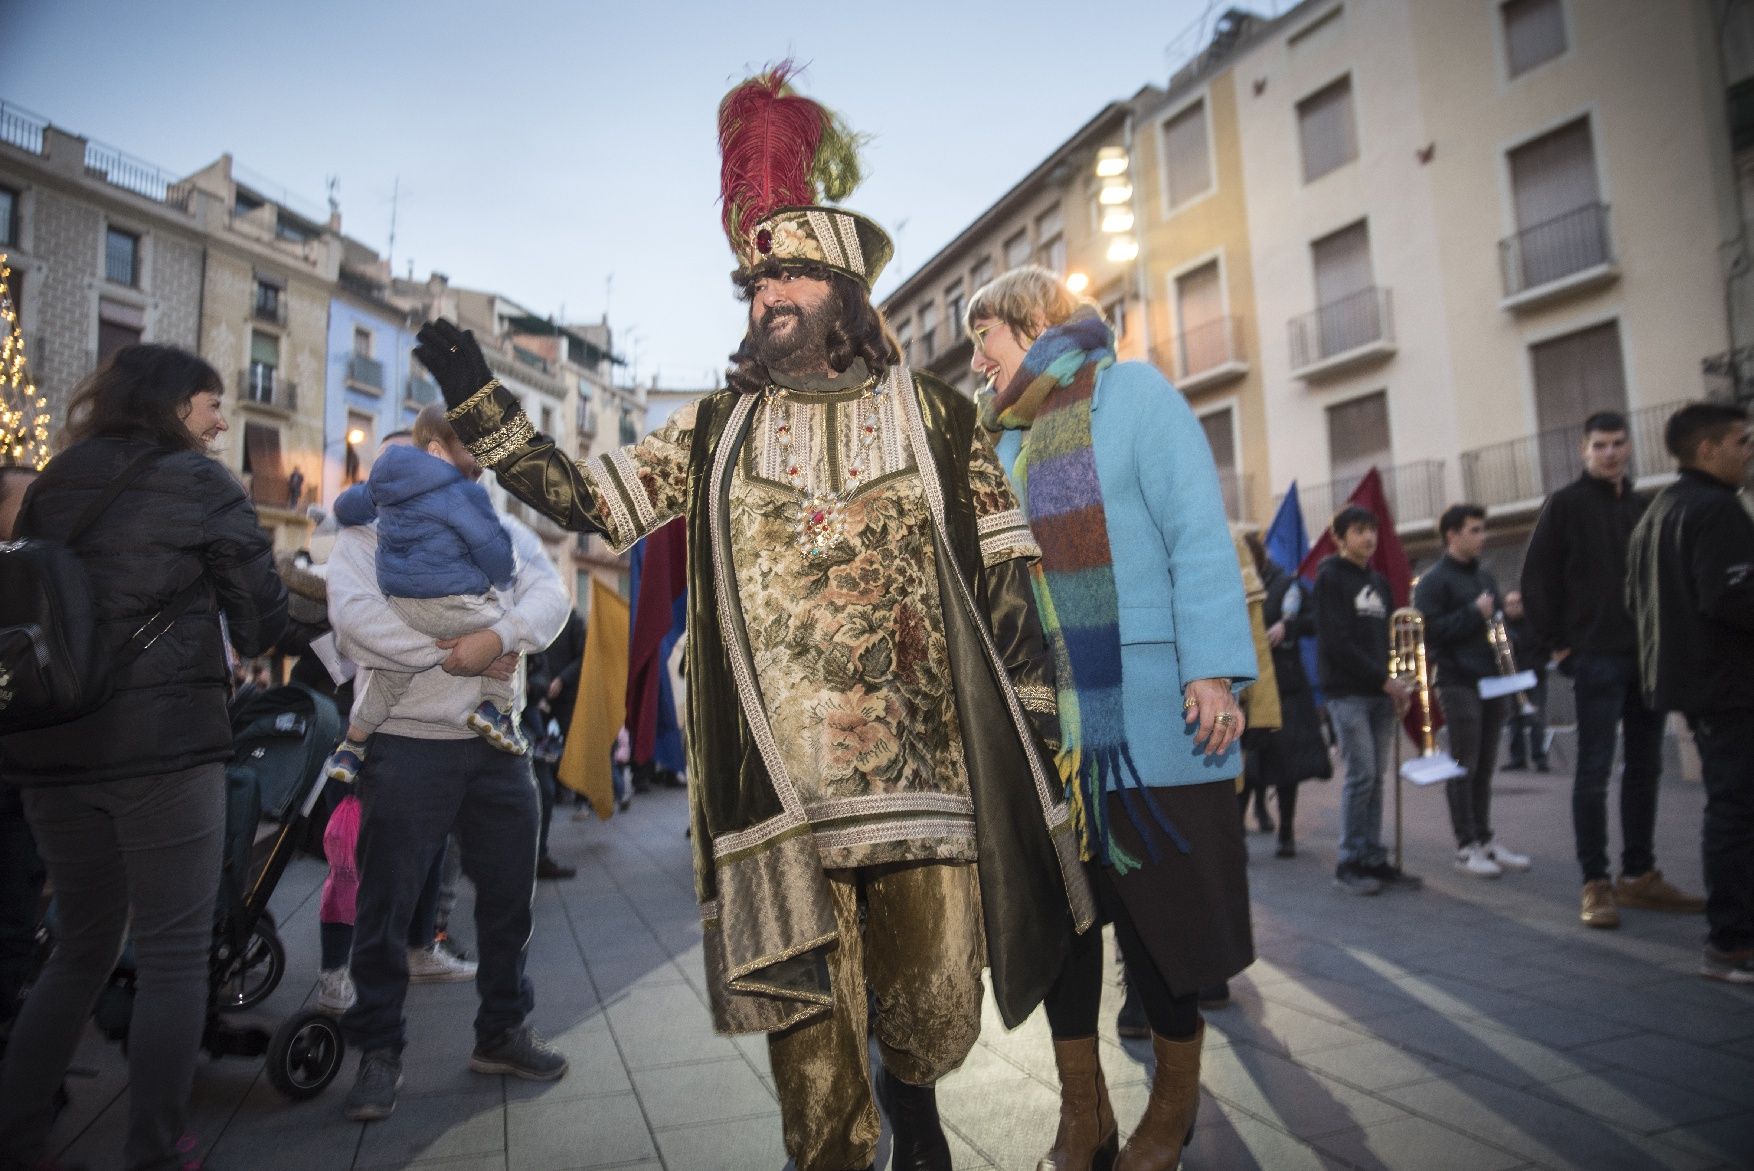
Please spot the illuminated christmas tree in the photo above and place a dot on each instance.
(24, 414)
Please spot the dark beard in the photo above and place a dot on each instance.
(801, 349)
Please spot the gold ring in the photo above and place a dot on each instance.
(1189, 704)
(1224, 718)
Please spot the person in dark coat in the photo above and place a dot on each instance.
(1690, 588)
(1528, 725)
(128, 801)
(1295, 751)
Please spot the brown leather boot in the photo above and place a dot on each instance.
(1088, 1138)
(1156, 1145)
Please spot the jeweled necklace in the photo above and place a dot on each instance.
(822, 514)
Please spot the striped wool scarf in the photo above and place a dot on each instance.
(1050, 398)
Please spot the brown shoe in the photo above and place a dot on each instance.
(1088, 1139)
(1156, 1144)
(1598, 905)
(1653, 892)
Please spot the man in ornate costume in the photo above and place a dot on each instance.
(872, 708)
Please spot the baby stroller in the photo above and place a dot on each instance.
(281, 736)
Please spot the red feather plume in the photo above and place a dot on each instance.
(768, 140)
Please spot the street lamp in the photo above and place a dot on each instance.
(1115, 198)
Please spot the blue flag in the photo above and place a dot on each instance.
(1287, 543)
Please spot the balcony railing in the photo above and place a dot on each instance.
(422, 390)
(263, 385)
(1561, 247)
(585, 420)
(1360, 324)
(1529, 468)
(21, 128)
(365, 372)
(1415, 493)
(136, 175)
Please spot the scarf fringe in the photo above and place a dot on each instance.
(1086, 776)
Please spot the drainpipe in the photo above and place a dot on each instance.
(1141, 272)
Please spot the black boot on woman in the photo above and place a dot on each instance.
(918, 1137)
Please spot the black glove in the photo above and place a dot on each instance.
(453, 359)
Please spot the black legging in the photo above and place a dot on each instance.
(1074, 1002)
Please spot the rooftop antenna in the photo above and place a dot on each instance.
(390, 256)
(333, 183)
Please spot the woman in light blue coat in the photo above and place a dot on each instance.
(1143, 602)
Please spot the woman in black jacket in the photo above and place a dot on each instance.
(127, 802)
(1294, 752)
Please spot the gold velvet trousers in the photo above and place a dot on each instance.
(919, 953)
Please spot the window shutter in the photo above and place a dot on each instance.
(1187, 168)
(1326, 128)
(1534, 32)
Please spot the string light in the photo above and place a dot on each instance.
(24, 414)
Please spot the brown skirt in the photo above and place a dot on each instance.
(1192, 910)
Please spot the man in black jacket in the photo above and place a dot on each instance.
(1458, 599)
(1352, 603)
(1574, 594)
(1690, 587)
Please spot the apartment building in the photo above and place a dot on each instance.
(105, 251)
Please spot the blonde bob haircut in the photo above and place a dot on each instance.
(1028, 299)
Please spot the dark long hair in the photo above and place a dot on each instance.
(859, 330)
(138, 393)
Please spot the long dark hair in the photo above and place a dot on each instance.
(138, 394)
(859, 330)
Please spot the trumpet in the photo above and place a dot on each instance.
(1408, 663)
(1509, 676)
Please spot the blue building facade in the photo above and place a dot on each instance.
(373, 384)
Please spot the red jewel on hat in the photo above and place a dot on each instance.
(816, 518)
(792, 471)
(764, 241)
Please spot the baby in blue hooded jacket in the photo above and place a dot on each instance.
(441, 554)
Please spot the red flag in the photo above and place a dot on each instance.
(1390, 560)
(663, 579)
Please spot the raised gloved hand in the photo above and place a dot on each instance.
(453, 359)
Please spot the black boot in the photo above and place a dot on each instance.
(918, 1137)
(1130, 1021)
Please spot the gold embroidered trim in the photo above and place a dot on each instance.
(1038, 697)
(495, 448)
(473, 400)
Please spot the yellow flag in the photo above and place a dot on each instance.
(602, 704)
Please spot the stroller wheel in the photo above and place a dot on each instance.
(305, 1055)
(247, 979)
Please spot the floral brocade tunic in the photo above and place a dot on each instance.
(846, 635)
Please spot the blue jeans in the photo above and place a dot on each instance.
(1363, 725)
(1726, 757)
(412, 793)
(1609, 698)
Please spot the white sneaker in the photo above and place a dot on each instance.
(1507, 859)
(1472, 859)
(435, 965)
(335, 994)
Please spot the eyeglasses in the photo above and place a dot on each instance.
(980, 335)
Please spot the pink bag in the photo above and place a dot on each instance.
(341, 887)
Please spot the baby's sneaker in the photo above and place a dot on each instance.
(345, 762)
(497, 728)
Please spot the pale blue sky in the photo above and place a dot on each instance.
(542, 146)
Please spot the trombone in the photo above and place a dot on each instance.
(1510, 681)
(1407, 662)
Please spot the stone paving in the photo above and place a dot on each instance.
(1474, 1024)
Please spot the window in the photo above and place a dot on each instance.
(904, 337)
(981, 273)
(8, 216)
(1347, 312)
(262, 467)
(1050, 247)
(1326, 129)
(1017, 250)
(929, 330)
(1220, 429)
(1202, 340)
(264, 363)
(548, 421)
(362, 342)
(954, 304)
(1534, 33)
(118, 324)
(270, 302)
(1187, 163)
(17, 288)
(122, 257)
(1358, 440)
(357, 462)
(1115, 313)
(1576, 375)
(1561, 225)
